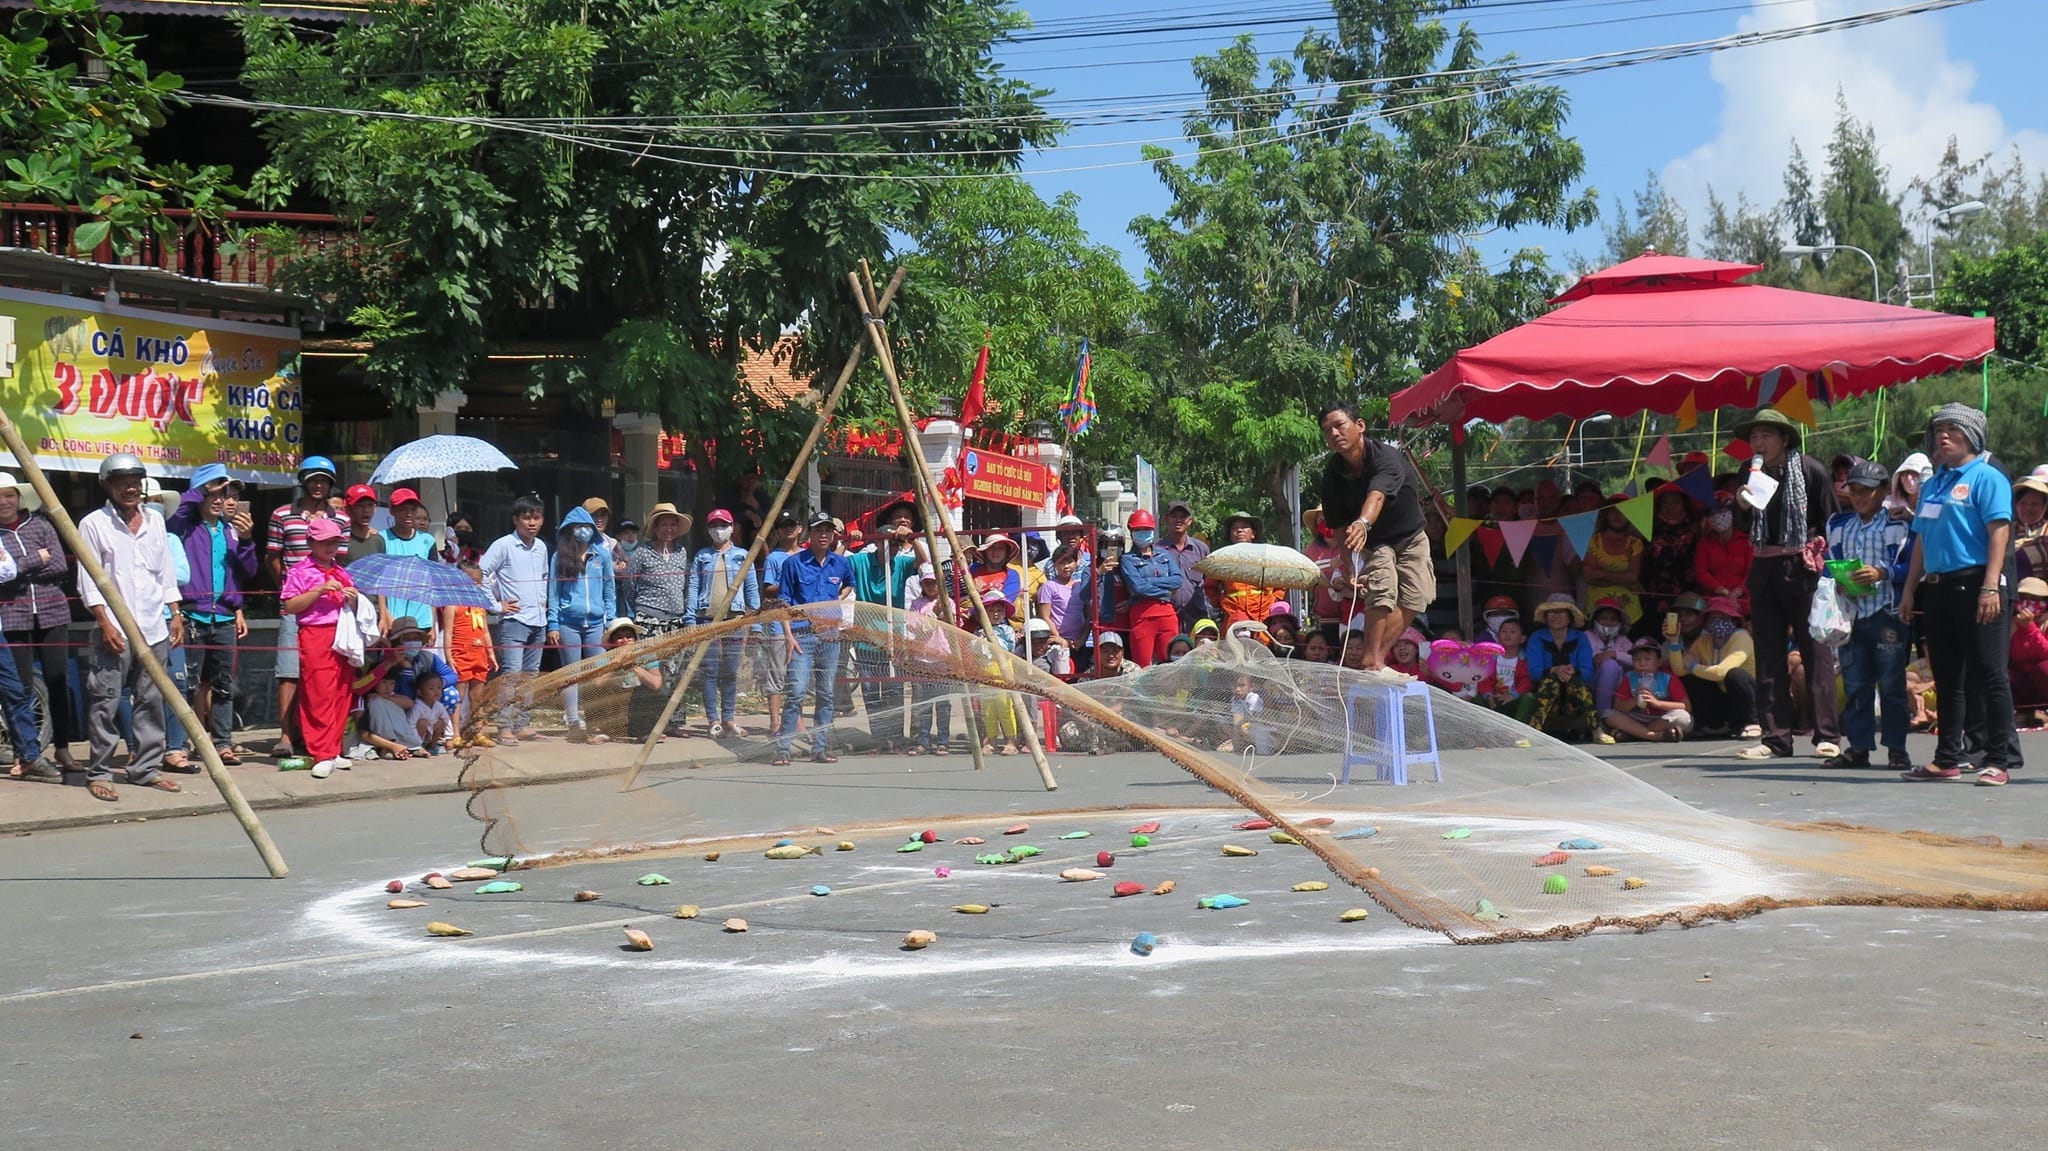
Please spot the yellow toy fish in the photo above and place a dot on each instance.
(403, 904)
(1283, 837)
(1597, 870)
(971, 908)
(1312, 885)
(1353, 915)
(687, 911)
(1634, 883)
(919, 940)
(1232, 849)
(793, 851)
(446, 929)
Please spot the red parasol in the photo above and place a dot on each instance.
(1646, 333)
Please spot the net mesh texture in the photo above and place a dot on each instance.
(1506, 834)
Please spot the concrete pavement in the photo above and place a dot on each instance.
(158, 993)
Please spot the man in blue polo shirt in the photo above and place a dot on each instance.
(1958, 580)
(820, 575)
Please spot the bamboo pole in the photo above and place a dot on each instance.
(930, 492)
(273, 861)
(760, 544)
(969, 721)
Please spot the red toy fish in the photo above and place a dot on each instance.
(1552, 859)
(1255, 825)
(1123, 889)
(1146, 828)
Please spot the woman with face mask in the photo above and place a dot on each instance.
(1149, 578)
(718, 572)
(582, 598)
(1722, 557)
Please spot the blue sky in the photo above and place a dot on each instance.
(1724, 120)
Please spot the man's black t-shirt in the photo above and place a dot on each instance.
(1386, 470)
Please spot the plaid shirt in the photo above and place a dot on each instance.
(1875, 541)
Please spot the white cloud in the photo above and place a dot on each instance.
(1899, 77)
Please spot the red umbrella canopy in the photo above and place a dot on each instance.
(1646, 333)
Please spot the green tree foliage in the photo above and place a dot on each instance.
(1858, 207)
(1318, 242)
(1658, 224)
(74, 139)
(2011, 286)
(991, 259)
(670, 254)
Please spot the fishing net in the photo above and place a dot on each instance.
(1497, 833)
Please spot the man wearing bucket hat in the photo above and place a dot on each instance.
(1958, 580)
(1369, 489)
(1791, 496)
(1863, 545)
(1238, 600)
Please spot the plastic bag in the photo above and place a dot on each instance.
(1826, 620)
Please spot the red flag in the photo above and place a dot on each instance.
(977, 390)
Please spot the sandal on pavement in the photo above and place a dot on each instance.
(161, 784)
(228, 758)
(1928, 772)
(781, 761)
(599, 737)
(281, 750)
(942, 749)
(824, 757)
(101, 789)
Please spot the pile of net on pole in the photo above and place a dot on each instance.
(1521, 837)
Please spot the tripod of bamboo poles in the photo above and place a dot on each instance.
(273, 861)
(789, 482)
(928, 491)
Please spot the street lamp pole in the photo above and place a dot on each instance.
(1962, 211)
(1876, 290)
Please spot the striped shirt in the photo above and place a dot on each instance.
(1875, 541)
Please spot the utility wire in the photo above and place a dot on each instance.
(1489, 81)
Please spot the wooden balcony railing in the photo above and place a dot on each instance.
(45, 228)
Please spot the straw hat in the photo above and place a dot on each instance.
(665, 508)
(1559, 603)
(2034, 481)
(30, 501)
(2033, 587)
(618, 625)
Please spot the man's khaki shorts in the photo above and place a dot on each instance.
(1400, 576)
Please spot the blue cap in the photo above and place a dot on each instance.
(209, 474)
(317, 466)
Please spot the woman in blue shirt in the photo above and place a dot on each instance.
(581, 600)
(1561, 666)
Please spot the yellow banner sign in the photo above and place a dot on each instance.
(178, 391)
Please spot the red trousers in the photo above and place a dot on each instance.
(1154, 623)
(324, 692)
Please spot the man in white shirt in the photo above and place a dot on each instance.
(131, 545)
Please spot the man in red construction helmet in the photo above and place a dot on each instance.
(1151, 576)
(1370, 500)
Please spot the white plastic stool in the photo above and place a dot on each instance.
(1387, 747)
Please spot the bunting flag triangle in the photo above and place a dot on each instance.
(1688, 414)
(1628, 490)
(1767, 386)
(1739, 451)
(1641, 511)
(1456, 535)
(1518, 534)
(1490, 541)
(1699, 484)
(1545, 547)
(1797, 404)
(1660, 453)
(1578, 530)
(1824, 386)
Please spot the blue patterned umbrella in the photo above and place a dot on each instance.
(438, 457)
(413, 578)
